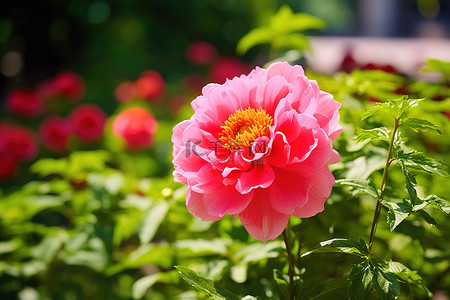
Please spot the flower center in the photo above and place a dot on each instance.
(243, 127)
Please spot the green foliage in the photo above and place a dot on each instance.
(213, 289)
(281, 32)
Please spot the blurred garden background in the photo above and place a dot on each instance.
(90, 92)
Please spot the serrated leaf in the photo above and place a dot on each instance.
(360, 281)
(396, 107)
(365, 186)
(411, 183)
(421, 124)
(375, 134)
(397, 212)
(430, 220)
(347, 246)
(412, 277)
(213, 289)
(143, 284)
(419, 160)
(386, 284)
(433, 201)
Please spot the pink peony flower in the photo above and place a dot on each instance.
(150, 85)
(257, 147)
(125, 92)
(66, 84)
(227, 68)
(8, 165)
(136, 126)
(201, 53)
(24, 102)
(87, 122)
(18, 142)
(54, 132)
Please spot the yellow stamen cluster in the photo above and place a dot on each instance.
(243, 127)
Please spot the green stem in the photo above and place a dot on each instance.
(291, 265)
(382, 186)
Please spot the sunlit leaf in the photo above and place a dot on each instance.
(213, 289)
(397, 212)
(419, 160)
(151, 221)
(253, 38)
(360, 281)
(141, 286)
(412, 277)
(386, 284)
(396, 108)
(347, 246)
(375, 134)
(421, 124)
(365, 186)
(411, 183)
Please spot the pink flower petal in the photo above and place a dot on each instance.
(288, 190)
(194, 203)
(260, 176)
(261, 220)
(226, 199)
(319, 193)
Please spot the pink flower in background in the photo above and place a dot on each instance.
(17, 141)
(150, 85)
(227, 68)
(66, 84)
(8, 164)
(201, 53)
(125, 92)
(24, 103)
(258, 147)
(54, 132)
(136, 126)
(87, 122)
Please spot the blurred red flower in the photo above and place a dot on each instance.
(17, 141)
(125, 92)
(65, 84)
(54, 132)
(136, 126)
(150, 85)
(24, 102)
(227, 68)
(201, 53)
(8, 165)
(87, 122)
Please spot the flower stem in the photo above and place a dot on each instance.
(382, 186)
(291, 265)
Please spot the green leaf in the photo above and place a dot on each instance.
(417, 124)
(433, 201)
(396, 108)
(430, 220)
(360, 281)
(365, 186)
(386, 284)
(255, 37)
(141, 285)
(397, 213)
(330, 288)
(338, 245)
(411, 183)
(407, 275)
(419, 160)
(375, 134)
(213, 289)
(152, 219)
(282, 282)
